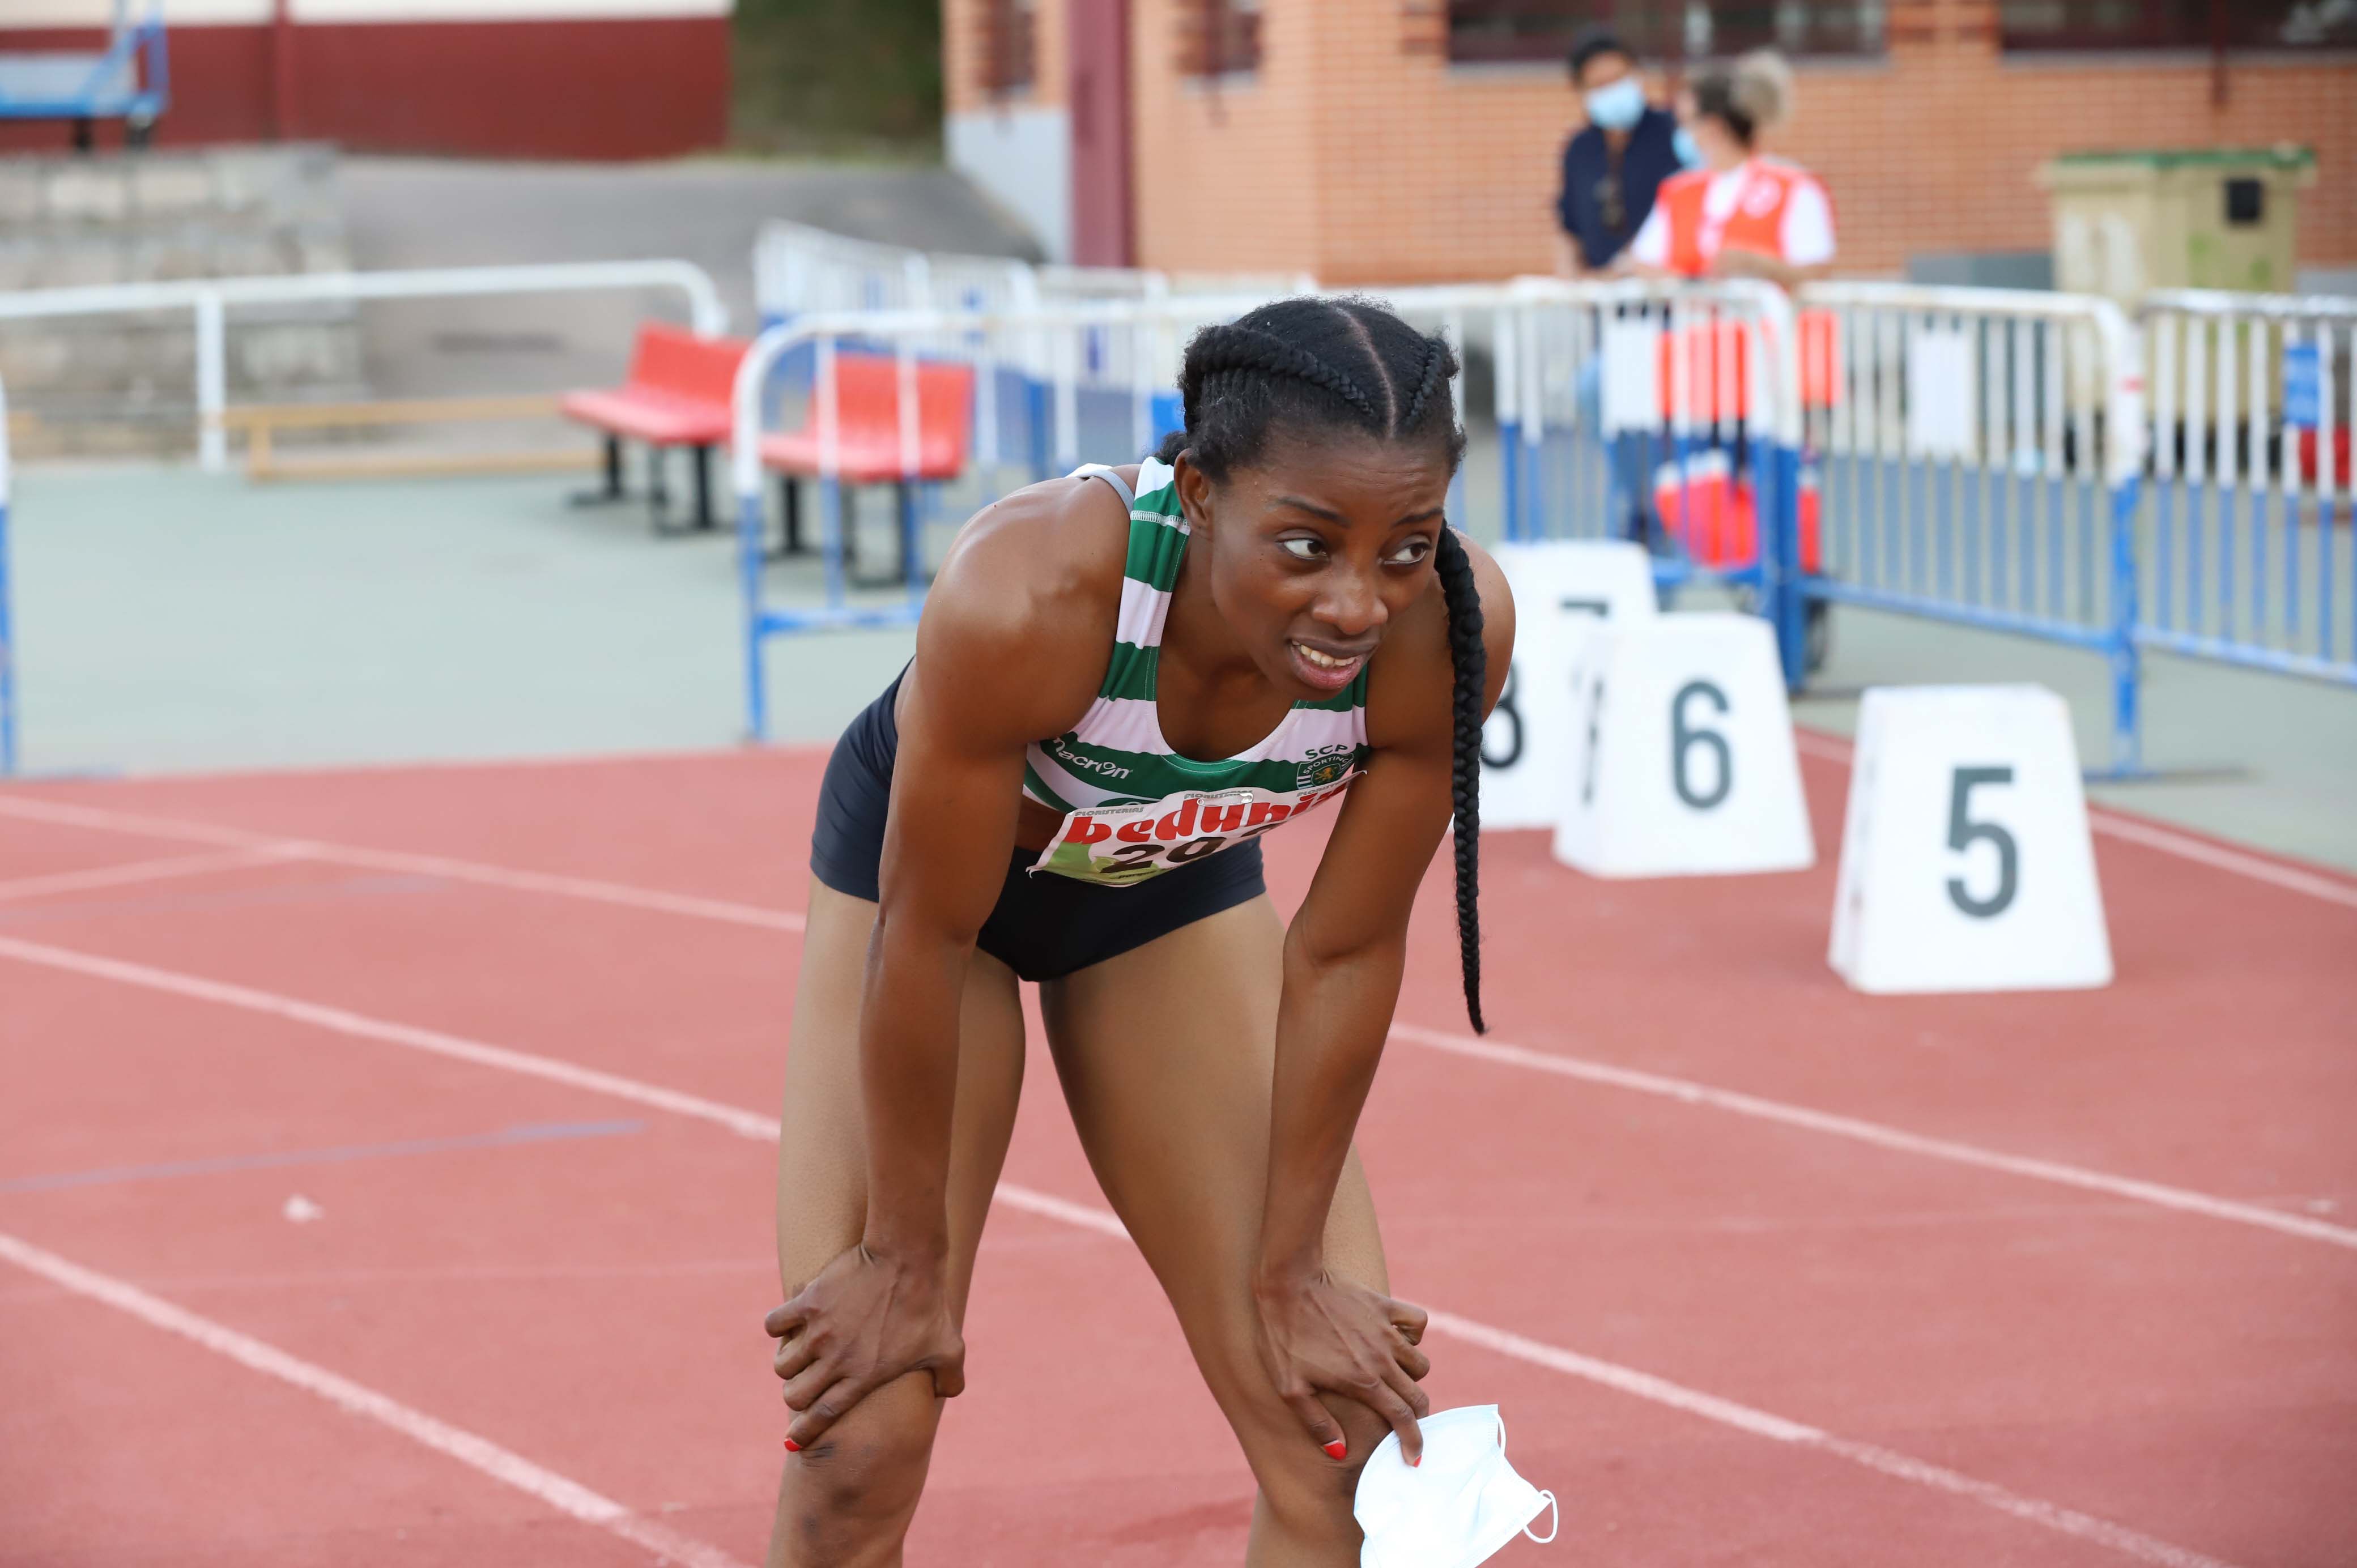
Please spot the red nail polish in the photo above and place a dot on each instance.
(1338, 1449)
(792, 1446)
(1414, 1462)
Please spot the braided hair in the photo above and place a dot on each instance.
(1311, 364)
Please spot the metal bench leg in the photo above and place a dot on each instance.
(612, 489)
(904, 498)
(659, 495)
(704, 487)
(790, 518)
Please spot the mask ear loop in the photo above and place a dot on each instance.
(1555, 1520)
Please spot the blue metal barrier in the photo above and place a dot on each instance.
(2250, 480)
(1981, 458)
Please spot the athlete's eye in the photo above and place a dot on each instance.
(1303, 549)
(1410, 551)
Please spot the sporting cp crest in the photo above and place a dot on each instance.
(1323, 767)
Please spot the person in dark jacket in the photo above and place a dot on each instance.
(1613, 165)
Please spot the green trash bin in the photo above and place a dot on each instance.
(2126, 222)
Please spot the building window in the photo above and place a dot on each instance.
(1219, 37)
(1009, 46)
(1543, 29)
(2176, 24)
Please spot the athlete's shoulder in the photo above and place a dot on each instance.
(1682, 182)
(1411, 683)
(1021, 617)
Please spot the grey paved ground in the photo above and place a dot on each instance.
(172, 622)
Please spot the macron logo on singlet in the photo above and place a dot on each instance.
(1090, 764)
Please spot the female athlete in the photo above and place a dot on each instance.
(1277, 590)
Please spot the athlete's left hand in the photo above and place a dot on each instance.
(1322, 1334)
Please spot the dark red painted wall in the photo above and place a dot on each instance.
(634, 88)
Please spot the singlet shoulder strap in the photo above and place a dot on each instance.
(1110, 477)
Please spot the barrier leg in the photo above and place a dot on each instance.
(748, 576)
(1510, 479)
(1780, 559)
(2126, 657)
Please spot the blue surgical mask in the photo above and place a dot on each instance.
(1681, 143)
(1619, 106)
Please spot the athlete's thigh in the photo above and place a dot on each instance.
(847, 1500)
(823, 1137)
(1167, 1054)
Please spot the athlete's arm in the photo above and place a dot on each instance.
(1012, 647)
(1343, 956)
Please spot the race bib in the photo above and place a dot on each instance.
(1119, 846)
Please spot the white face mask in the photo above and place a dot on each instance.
(1619, 106)
(1462, 1504)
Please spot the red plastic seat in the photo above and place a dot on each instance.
(867, 445)
(677, 393)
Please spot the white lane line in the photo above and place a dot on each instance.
(455, 870)
(477, 1453)
(763, 1128)
(2152, 835)
(1776, 1428)
(133, 872)
(337, 1020)
(1688, 1093)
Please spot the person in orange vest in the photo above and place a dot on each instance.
(1740, 213)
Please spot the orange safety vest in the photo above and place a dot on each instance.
(1756, 225)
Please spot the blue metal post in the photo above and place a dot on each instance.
(748, 576)
(1510, 476)
(1779, 560)
(2127, 718)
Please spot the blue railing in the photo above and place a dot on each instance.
(2250, 482)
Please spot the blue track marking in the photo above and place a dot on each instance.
(508, 1137)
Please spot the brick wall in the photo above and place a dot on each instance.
(1360, 153)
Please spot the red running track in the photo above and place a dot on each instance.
(385, 1168)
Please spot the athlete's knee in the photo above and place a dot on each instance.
(848, 1497)
(1309, 1497)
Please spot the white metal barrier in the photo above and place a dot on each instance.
(888, 440)
(211, 299)
(1979, 454)
(2251, 479)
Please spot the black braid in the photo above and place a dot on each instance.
(1434, 374)
(1247, 351)
(1292, 363)
(1469, 658)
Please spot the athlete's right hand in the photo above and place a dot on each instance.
(867, 1319)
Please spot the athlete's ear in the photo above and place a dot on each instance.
(1194, 491)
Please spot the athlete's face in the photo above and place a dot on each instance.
(1318, 547)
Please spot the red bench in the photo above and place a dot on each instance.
(678, 393)
(867, 437)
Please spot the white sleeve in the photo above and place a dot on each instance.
(1807, 236)
(1650, 248)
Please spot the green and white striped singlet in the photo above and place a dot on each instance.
(1133, 807)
